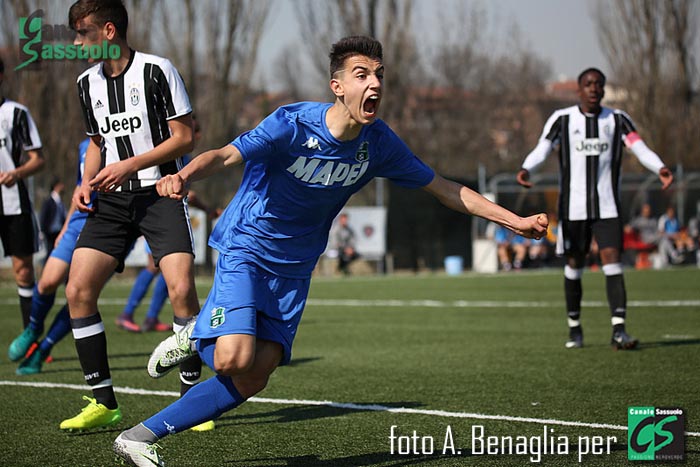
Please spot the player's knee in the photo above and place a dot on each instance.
(232, 364)
(78, 294)
(249, 385)
(71, 292)
(47, 286)
(24, 276)
(180, 291)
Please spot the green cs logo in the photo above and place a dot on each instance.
(30, 38)
(655, 433)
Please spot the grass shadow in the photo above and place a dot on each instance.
(299, 413)
(668, 343)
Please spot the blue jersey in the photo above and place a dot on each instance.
(297, 178)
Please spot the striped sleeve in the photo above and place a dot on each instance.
(550, 135)
(27, 130)
(626, 125)
(634, 142)
(172, 90)
(91, 126)
(552, 128)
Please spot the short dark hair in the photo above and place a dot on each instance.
(350, 46)
(104, 11)
(2, 66)
(55, 181)
(588, 70)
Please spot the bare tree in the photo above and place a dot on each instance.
(48, 90)
(390, 21)
(213, 43)
(652, 49)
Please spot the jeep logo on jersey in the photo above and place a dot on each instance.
(591, 147)
(122, 124)
(318, 171)
(362, 155)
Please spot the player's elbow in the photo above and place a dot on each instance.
(187, 143)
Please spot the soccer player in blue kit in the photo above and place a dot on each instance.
(303, 162)
(54, 274)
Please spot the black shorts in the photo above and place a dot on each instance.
(20, 236)
(122, 217)
(574, 237)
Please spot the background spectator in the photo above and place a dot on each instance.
(673, 240)
(344, 238)
(640, 237)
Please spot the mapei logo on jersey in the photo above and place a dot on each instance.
(122, 124)
(591, 147)
(318, 171)
(134, 95)
(655, 434)
(218, 317)
(312, 143)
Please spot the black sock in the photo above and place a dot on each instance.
(617, 300)
(25, 302)
(575, 328)
(91, 344)
(573, 293)
(190, 372)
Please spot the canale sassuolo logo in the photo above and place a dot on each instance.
(36, 43)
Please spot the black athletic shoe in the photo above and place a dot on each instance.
(574, 342)
(622, 341)
(575, 338)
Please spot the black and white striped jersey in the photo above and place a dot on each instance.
(131, 112)
(590, 158)
(17, 133)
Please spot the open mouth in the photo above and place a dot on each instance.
(370, 105)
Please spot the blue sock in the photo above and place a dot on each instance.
(138, 291)
(160, 293)
(58, 330)
(41, 305)
(205, 401)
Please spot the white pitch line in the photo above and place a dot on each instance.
(488, 303)
(397, 303)
(345, 405)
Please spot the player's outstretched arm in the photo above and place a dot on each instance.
(202, 166)
(462, 199)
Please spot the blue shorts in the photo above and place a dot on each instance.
(246, 299)
(518, 240)
(66, 246)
